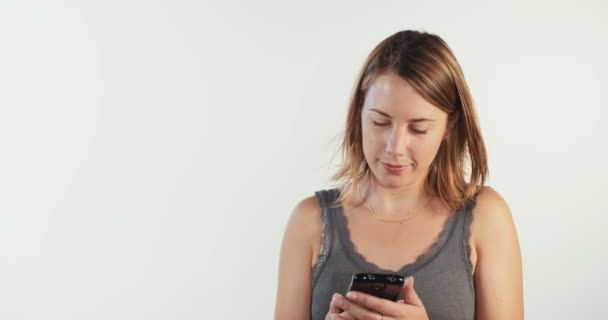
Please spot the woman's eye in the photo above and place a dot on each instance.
(384, 124)
(381, 124)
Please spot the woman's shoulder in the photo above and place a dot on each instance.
(307, 208)
(305, 218)
(491, 216)
(489, 204)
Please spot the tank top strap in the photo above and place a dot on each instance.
(327, 200)
(465, 233)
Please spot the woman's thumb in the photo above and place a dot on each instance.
(409, 294)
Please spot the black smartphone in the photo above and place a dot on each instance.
(385, 286)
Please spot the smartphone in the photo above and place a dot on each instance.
(385, 286)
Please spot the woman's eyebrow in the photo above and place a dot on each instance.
(411, 120)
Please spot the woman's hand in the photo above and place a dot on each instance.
(361, 306)
(335, 312)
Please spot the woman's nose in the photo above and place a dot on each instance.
(397, 141)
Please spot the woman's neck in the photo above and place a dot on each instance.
(394, 203)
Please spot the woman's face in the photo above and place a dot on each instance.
(400, 128)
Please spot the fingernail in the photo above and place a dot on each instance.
(339, 301)
(351, 295)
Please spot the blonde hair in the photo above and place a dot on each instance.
(428, 64)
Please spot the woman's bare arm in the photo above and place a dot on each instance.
(293, 297)
(498, 271)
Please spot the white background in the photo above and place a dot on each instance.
(151, 151)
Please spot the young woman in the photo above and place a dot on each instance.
(410, 200)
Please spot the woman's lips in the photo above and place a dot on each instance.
(393, 169)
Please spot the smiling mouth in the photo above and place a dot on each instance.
(393, 166)
(393, 170)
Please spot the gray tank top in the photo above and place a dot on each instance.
(443, 273)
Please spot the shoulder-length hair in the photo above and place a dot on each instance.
(428, 64)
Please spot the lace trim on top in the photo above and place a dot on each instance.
(326, 236)
(408, 269)
(466, 232)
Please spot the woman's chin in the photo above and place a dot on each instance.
(389, 181)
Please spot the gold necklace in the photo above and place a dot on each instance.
(375, 215)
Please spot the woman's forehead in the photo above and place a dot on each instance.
(390, 95)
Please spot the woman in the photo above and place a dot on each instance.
(410, 200)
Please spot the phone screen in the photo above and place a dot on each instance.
(385, 286)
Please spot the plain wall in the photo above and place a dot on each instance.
(151, 151)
